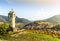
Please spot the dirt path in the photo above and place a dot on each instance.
(3, 40)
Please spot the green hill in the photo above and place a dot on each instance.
(54, 19)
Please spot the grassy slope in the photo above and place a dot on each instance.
(54, 19)
(30, 37)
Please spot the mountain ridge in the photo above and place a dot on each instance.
(53, 19)
(18, 20)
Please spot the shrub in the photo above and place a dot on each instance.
(3, 28)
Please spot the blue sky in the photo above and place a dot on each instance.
(32, 9)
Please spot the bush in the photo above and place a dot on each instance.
(3, 28)
(57, 27)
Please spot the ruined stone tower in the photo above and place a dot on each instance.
(11, 17)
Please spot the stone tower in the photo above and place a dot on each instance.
(11, 17)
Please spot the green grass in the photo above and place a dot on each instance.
(38, 37)
(30, 37)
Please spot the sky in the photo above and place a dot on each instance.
(31, 9)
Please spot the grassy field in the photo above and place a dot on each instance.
(29, 36)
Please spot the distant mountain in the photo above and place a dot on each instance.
(18, 20)
(54, 19)
(46, 23)
(2, 19)
(22, 20)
